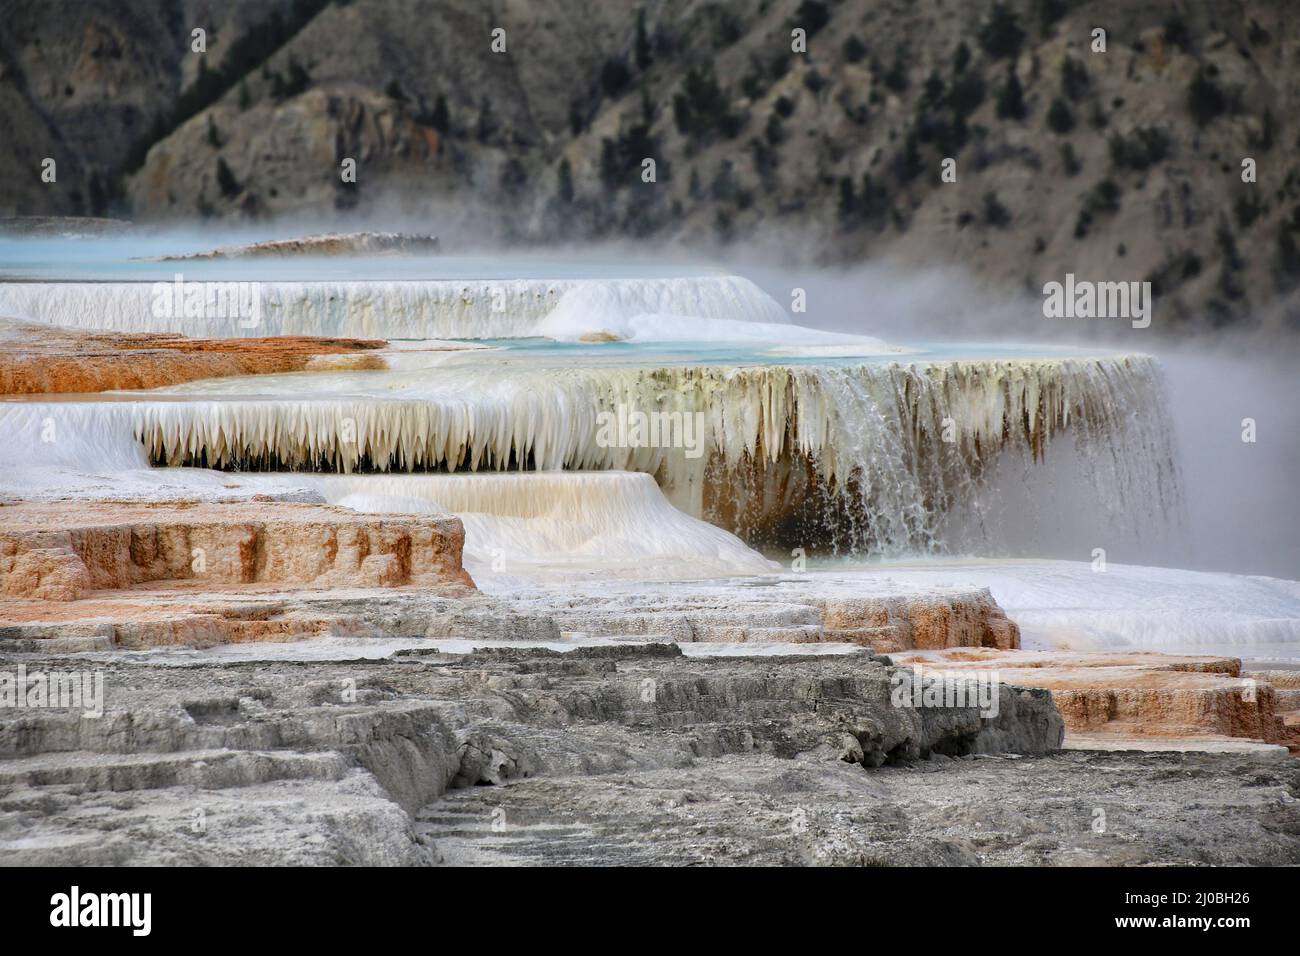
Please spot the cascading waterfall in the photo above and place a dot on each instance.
(853, 458)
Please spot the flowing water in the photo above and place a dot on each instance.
(848, 456)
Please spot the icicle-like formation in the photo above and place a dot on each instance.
(479, 309)
(854, 457)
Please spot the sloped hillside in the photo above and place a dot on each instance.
(1122, 164)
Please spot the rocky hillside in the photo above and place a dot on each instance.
(1122, 164)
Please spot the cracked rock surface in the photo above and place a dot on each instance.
(614, 754)
(333, 760)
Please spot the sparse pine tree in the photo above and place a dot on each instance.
(610, 167)
(564, 182)
(1288, 256)
(1228, 245)
(995, 213)
(298, 80)
(513, 177)
(1011, 98)
(226, 179)
(1001, 34)
(1060, 119)
(1074, 79)
(812, 15)
(702, 108)
(848, 203)
(642, 51)
(967, 94)
(896, 77)
(98, 194)
(1204, 98)
(961, 58)
(933, 92)
(614, 76)
(487, 123)
(1070, 160)
(440, 119)
(1048, 12)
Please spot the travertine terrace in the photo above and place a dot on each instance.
(345, 583)
(37, 360)
(53, 555)
(1144, 699)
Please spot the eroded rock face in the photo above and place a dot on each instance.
(603, 755)
(791, 609)
(1123, 697)
(284, 571)
(56, 553)
(45, 568)
(410, 729)
(967, 620)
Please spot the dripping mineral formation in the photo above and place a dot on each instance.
(867, 455)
